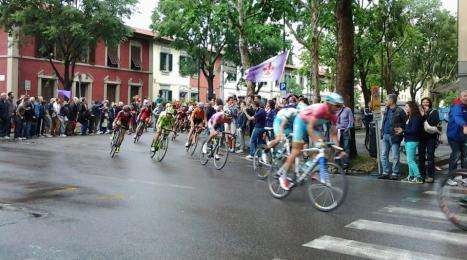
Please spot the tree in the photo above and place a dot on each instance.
(67, 28)
(293, 87)
(198, 27)
(345, 60)
(249, 19)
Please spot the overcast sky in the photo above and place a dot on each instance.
(142, 18)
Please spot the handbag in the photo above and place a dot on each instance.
(428, 128)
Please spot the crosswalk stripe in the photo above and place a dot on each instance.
(452, 195)
(419, 212)
(366, 250)
(413, 232)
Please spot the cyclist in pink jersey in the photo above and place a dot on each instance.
(304, 126)
(216, 125)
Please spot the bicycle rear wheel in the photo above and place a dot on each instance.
(261, 168)
(453, 199)
(275, 187)
(204, 157)
(163, 147)
(193, 146)
(222, 151)
(327, 195)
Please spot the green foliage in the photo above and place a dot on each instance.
(294, 87)
(198, 27)
(70, 27)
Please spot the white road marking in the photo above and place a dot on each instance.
(419, 212)
(366, 250)
(452, 195)
(412, 232)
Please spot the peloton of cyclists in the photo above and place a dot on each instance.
(166, 120)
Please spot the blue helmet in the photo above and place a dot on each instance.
(334, 99)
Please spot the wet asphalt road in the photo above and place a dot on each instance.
(65, 198)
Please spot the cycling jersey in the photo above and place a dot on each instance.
(286, 114)
(217, 121)
(320, 114)
(197, 113)
(165, 121)
(124, 119)
(145, 114)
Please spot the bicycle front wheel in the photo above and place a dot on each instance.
(329, 193)
(453, 199)
(163, 147)
(193, 146)
(204, 157)
(275, 187)
(221, 154)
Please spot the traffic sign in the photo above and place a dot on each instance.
(27, 85)
(282, 86)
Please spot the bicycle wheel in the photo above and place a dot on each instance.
(261, 168)
(193, 146)
(328, 195)
(204, 157)
(275, 187)
(153, 153)
(138, 134)
(113, 150)
(453, 199)
(115, 135)
(163, 147)
(222, 152)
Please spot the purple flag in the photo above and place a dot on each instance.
(270, 70)
(64, 93)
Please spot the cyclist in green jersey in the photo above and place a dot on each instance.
(166, 121)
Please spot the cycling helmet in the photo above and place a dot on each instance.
(170, 110)
(228, 113)
(168, 105)
(126, 108)
(145, 102)
(201, 105)
(334, 99)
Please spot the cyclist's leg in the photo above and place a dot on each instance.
(121, 136)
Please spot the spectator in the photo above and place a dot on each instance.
(56, 117)
(412, 134)
(456, 131)
(233, 107)
(345, 122)
(241, 127)
(83, 116)
(48, 108)
(210, 110)
(95, 116)
(19, 118)
(394, 117)
(4, 123)
(11, 112)
(260, 121)
(429, 137)
(302, 103)
(270, 113)
(29, 117)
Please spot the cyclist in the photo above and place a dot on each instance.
(216, 125)
(282, 126)
(197, 119)
(304, 126)
(122, 122)
(166, 121)
(144, 116)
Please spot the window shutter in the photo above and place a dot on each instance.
(170, 62)
(170, 93)
(92, 54)
(162, 62)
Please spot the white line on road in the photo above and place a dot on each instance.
(366, 250)
(452, 195)
(419, 212)
(412, 232)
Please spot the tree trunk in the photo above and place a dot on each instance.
(243, 46)
(365, 90)
(210, 80)
(388, 71)
(314, 52)
(67, 77)
(345, 61)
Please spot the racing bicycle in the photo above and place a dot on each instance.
(139, 131)
(116, 141)
(326, 188)
(161, 145)
(218, 148)
(453, 199)
(193, 143)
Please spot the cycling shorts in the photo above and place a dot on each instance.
(300, 133)
(217, 128)
(197, 121)
(277, 127)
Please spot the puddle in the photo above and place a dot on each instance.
(27, 211)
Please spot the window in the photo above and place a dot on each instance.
(166, 62)
(134, 91)
(135, 57)
(231, 76)
(113, 56)
(183, 95)
(111, 93)
(302, 80)
(194, 96)
(47, 88)
(166, 95)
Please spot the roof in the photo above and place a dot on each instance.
(144, 32)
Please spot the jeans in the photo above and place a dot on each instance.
(426, 157)
(84, 127)
(241, 138)
(18, 127)
(411, 150)
(344, 142)
(255, 139)
(386, 146)
(457, 149)
(26, 129)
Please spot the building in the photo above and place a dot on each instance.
(113, 73)
(462, 45)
